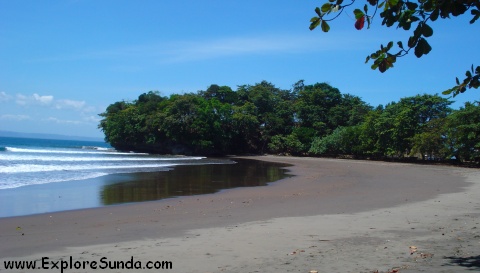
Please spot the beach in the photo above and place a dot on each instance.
(331, 215)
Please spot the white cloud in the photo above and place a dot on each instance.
(14, 117)
(49, 101)
(62, 121)
(34, 99)
(92, 119)
(234, 46)
(204, 49)
(42, 99)
(21, 99)
(69, 104)
(4, 96)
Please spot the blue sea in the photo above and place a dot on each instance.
(45, 175)
(25, 161)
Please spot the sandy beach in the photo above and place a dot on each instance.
(330, 216)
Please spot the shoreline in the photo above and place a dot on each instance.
(328, 206)
(134, 187)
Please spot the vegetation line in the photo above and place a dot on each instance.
(305, 120)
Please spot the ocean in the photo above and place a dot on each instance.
(25, 161)
(44, 175)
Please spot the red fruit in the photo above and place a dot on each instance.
(360, 23)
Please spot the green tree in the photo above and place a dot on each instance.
(463, 132)
(313, 107)
(402, 14)
(224, 94)
(400, 121)
(343, 140)
(431, 140)
(124, 128)
(246, 128)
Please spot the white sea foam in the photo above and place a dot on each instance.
(29, 168)
(63, 151)
(44, 180)
(27, 157)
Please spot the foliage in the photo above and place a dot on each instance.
(343, 140)
(253, 119)
(414, 125)
(402, 14)
(306, 120)
(463, 132)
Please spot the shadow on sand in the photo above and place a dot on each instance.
(471, 263)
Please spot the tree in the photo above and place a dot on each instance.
(403, 14)
(401, 121)
(431, 141)
(463, 132)
(343, 140)
(314, 104)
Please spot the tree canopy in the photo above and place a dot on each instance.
(312, 119)
(402, 14)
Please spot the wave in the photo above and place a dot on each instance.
(3, 149)
(98, 148)
(16, 157)
(30, 168)
(45, 180)
(23, 150)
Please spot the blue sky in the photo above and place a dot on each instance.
(63, 62)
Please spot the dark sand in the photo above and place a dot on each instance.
(332, 214)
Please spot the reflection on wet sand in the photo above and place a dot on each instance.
(191, 180)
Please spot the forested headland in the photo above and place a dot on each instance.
(315, 120)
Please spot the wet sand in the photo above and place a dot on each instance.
(331, 216)
(121, 188)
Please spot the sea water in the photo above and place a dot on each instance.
(43, 175)
(26, 161)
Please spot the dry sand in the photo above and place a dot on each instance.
(332, 216)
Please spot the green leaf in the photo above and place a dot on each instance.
(326, 7)
(319, 13)
(389, 45)
(458, 81)
(426, 47)
(407, 25)
(400, 44)
(412, 41)
(411, 6)
(434, 14)
(392, 3)
(427, 31)
(325, 26)
(447, 92)
(315, 22)
(365, 8)
(422, 48)
(367, 59)
(476, 14)
(419, 49)
(382, 67)
(358, 14)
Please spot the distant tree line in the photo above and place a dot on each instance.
(305, 120)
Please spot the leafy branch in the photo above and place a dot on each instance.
(472, 80)
(402, 13)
